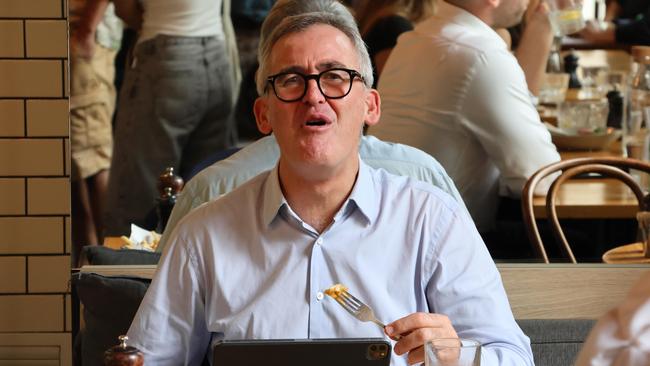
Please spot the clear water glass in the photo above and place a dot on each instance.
(452, 352)
(583, 117)
(594, 82)
(553, 88)
(566, 16)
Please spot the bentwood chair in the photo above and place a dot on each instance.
(611, 167)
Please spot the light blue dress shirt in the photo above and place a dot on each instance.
(245, 266)
(224, 176)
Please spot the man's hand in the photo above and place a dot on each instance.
(415, 330)
(599, 33)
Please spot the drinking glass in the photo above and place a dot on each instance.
(643, 217)
(452, 352)
(566, 16)
(594, 82)
(553, 88)
(583, 117)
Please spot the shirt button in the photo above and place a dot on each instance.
(319, 296)
(319, 241)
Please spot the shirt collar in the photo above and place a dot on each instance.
(362, 196)
(461, 16)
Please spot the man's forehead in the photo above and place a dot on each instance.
(322, 45)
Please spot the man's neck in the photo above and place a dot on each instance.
(316, 199)
(478, 8)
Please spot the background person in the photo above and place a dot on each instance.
(382, 21)
(175, 104)
(95, 37)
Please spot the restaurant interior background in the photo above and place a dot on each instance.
(34, 182)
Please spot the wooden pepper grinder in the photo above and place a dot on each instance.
(123, 355)
(169, 185)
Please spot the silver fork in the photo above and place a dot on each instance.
(358, 309)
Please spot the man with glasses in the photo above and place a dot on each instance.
(254, 263)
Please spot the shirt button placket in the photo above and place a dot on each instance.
(316, 305)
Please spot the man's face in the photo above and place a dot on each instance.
(316, 132)
(509, 13)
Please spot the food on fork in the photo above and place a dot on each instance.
(335, 291)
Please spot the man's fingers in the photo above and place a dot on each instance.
(417, 338)
(415, 321)
(416, 356)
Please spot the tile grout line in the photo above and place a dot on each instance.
(25, 193)
(24, 39)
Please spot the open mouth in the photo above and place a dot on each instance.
(317, 122)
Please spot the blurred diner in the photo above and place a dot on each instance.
(452, 88)
(627, 22)
(382, 21)
(95, 33)
(174, 106)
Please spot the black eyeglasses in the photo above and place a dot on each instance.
(333, 83)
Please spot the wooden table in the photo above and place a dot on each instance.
(591, 199)
(601, 198)
(626, 254)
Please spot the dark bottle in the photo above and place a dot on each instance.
(123, 355)
(571, 68)
(615, 116)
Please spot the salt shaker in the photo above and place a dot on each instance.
(123, 355)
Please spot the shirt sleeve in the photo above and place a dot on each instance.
(636, 31)
(507, 123)
(166, 330)
(466, 286)
(622, 336)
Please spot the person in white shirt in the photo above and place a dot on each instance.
(453, 89)
(622, 336)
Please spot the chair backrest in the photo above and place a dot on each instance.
(612, 167)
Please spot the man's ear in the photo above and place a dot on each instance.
(373, 108)
(261, 110)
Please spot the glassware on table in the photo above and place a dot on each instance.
(566, 16)
(635, 129)
(583, 117)
(553, 88)
(594, 81)
(452, 352)
(643, 218)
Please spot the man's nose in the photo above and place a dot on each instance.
(313, 94)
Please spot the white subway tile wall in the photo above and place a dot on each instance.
(34, 179)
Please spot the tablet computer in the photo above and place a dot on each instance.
(301, 352)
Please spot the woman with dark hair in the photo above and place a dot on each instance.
(382, 21)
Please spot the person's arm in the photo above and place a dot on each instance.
(613, 10)
(130, 12)
(622, 336)
(596, 32)
(634, 32)
(502, 117)
(170, 326)
(462, 282)
(83, 35)
(535, 46)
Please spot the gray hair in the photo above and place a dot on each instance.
(293, 16)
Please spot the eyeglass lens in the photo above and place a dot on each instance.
(332, 83)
